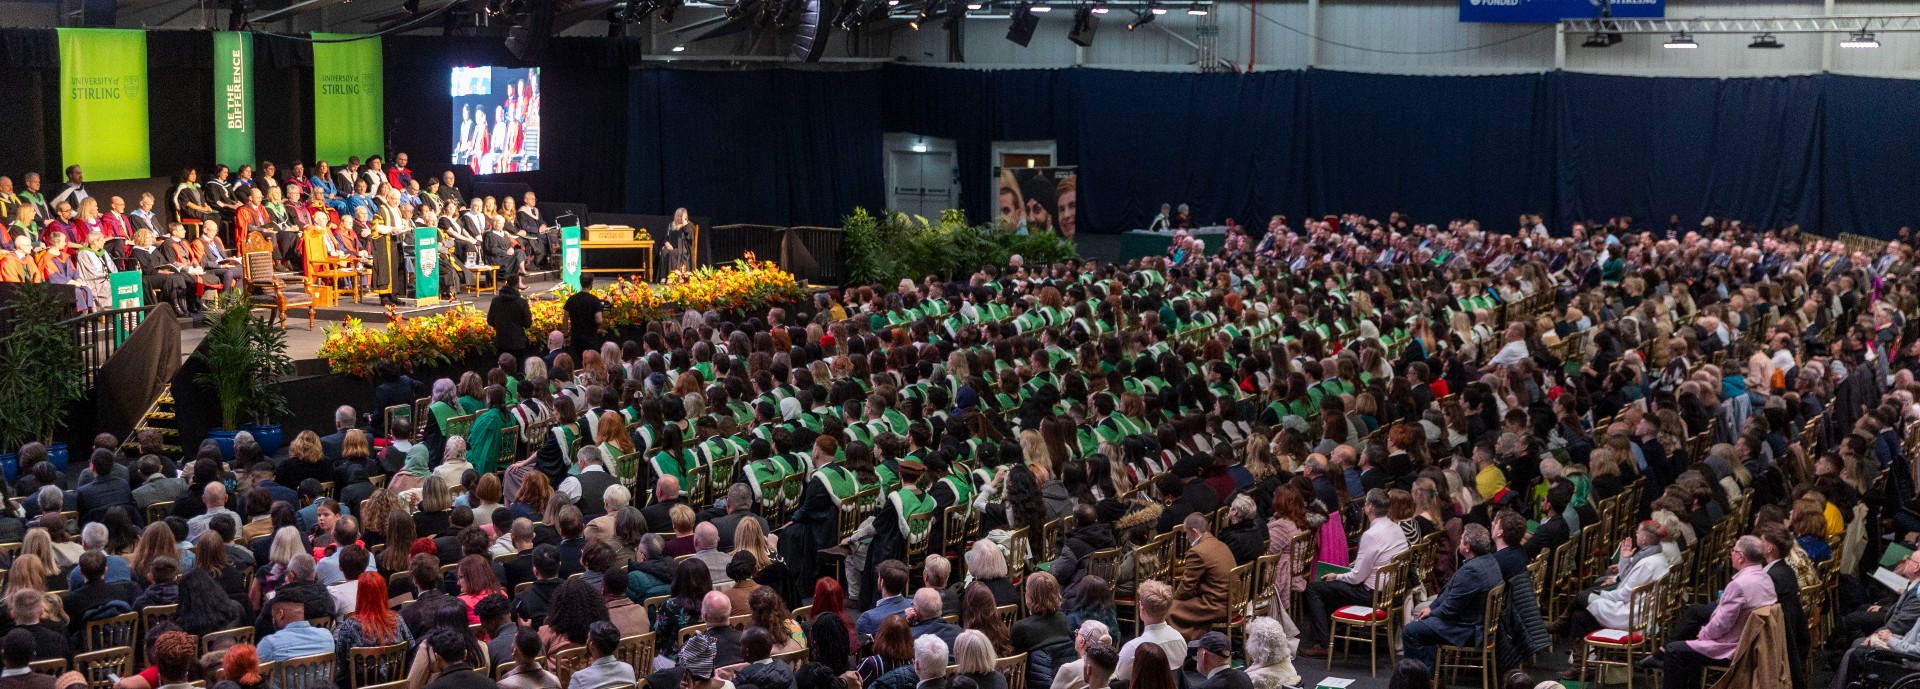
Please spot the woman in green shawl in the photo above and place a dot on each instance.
(483, 440)
(414, 474)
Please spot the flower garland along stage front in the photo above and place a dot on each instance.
(415, 343)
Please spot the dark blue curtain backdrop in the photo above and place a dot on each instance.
(776, 147)
(1831, 153)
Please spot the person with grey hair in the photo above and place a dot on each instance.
(1245, 533)
(301, 586)
(1073, 674)
(1455, 617)
(739, 508)
(214, 496)
(651, 573)
(925, 616)
(588, 489)
(1269, 655)
(344, 419)
(601, 528)
(930, 662)
(93, 539)
(706, 549)
(1378, 545)
(1750, 589)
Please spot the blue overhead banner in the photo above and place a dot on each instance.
(1552, 11)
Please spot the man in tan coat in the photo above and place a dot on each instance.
(1202, 596)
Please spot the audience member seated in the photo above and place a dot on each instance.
(1202, 596)
(1378, 545)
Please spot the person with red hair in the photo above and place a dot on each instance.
(370, 624)
(242, 666)
(829, 598)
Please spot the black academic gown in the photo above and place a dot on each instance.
(813, 529)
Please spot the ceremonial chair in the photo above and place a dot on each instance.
(305, 672)
(377, 664)
(1619, 647)
(637, 651)
(331, 276)
(277, 291)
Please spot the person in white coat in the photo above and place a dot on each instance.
(1606, 611)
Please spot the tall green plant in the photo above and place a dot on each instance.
(895, 246)
(244, 354)
(41, 371)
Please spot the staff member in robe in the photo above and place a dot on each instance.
(677, 251)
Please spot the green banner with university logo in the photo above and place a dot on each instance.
(349, 117)
(124, 290)
(426, 259)
(233, 98)
(103, 103)
(570, 254)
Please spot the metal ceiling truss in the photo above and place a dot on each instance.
(1839, 24)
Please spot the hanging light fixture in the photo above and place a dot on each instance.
(1860, 39)
(1766, 40)
(1682, 41)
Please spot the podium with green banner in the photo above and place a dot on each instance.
(426, 259)
(125, 290)
(570, 255)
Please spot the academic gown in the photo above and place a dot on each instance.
(813, 529)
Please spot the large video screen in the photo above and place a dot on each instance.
(496, 119)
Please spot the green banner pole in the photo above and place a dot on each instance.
(426, 259)
(349, 117)
(233, 98)
(570, 255)
(103, 103)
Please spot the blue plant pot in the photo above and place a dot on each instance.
(268, 435)
(57, 454)
(223, 438)
(10, 466)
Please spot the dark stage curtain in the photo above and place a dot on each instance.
(282, 104)
(30, 103)
(180, 106)
(1651, 148)
(1869, 152)
(976, 108)
(1228, 145)
(775, 147)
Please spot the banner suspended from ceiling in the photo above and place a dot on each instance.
(349, 117)
(103, 103)
(233, 98)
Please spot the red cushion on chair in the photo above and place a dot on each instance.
(1615, 636)
(1360, 613)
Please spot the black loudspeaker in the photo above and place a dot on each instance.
(810, 42)
(100, 13)
(527, 40)
(1085, 22)
(1024, 22)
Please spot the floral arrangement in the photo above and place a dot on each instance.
(411, 343)
(747, 284)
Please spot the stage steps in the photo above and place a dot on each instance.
(160, 416)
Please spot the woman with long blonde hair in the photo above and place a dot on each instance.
(155, 541)
(29, 571)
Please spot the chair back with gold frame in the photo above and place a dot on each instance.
(114, 631)
(637, 651)
(1482, 656)
(53, 667)
(569, 661)
(377, 664)
(1618, 647)
(1372, 624)
(1019, 548)
(1106, 565)
(225, 639)
(1009, 613)
(103, 665)
(1015, 668)
(305, 672)
(154, 614)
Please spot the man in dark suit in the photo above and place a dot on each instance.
(343, 420)
(520, 570)
(1213, 665)
(95, 592)
(714, 611)
(925, 617)
(1455, 617)
(1786, 589)
(1554, 530)
(666, 493)
(105, 492)
(739, 508)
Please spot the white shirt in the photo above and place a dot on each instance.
(345, 594)
(1170, 640)
(1511, 353)
(1382, 540)
(571, 486)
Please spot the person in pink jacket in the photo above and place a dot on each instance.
(1750, 589)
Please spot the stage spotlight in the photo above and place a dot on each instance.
(1765, 40)
(1597, 40)
(1682, 41)
(1024, 22)
(679, 49)
(926, 12)
(1099, 9)
(667, 8)
(1143, 17)
(1084, 25)
(1197, 9)
(1860, 39)
(975, 6)
(532, 26)
(1043, 7)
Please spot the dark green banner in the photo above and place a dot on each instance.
(426, 258)
(103, 103)
(349, 116)
(233, 98)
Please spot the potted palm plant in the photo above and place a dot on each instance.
(244, 354)
(41, 372)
